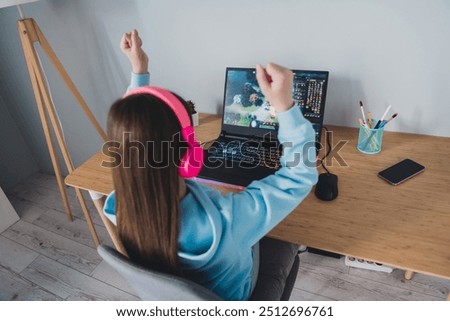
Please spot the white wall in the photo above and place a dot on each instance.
(16, 159)
(382, 52)
(379, 51)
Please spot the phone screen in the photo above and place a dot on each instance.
(401, 171)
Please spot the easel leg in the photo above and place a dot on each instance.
(45, 127)
(51, 112)
(29, 34)
(56, 167)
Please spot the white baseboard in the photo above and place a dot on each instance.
(8, 215)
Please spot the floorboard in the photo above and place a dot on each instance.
(15, 257)
(14, 287)
(56, 247)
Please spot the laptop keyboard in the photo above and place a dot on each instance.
(247, 154)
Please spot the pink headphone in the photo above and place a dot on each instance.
(192, 161)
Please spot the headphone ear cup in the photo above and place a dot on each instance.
(192, 162)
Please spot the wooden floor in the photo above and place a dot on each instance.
(46, 257)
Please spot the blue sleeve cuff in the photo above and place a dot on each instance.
(289, 121)
(297, 135)
(139, 80)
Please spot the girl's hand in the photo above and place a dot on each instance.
(131, 46)
(276, 84)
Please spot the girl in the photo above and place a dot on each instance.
(176, 225)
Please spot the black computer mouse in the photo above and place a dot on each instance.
(327, 187)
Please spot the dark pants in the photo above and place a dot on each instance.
(278, 266)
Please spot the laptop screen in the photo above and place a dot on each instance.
(246, 111)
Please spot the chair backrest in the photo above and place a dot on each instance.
(154, 285)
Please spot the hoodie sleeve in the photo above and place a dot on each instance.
(253, 212)
(138, 80)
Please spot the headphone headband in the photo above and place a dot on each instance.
(192, 161)
(168, 98)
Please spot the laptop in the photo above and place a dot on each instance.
(248, 148)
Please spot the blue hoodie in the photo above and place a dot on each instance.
(217, 231)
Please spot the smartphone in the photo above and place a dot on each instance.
(401, 171)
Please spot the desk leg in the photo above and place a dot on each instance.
(110, 227)
(409, 275)
(87, 215)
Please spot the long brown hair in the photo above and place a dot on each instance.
(147, 182)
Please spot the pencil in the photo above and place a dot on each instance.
(392, 117)
(369, 119)
(382, 117)
(362, 112)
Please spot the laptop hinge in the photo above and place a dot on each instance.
(240, 137)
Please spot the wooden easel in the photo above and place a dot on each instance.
(30, 34)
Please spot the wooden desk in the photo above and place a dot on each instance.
(405, 226)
